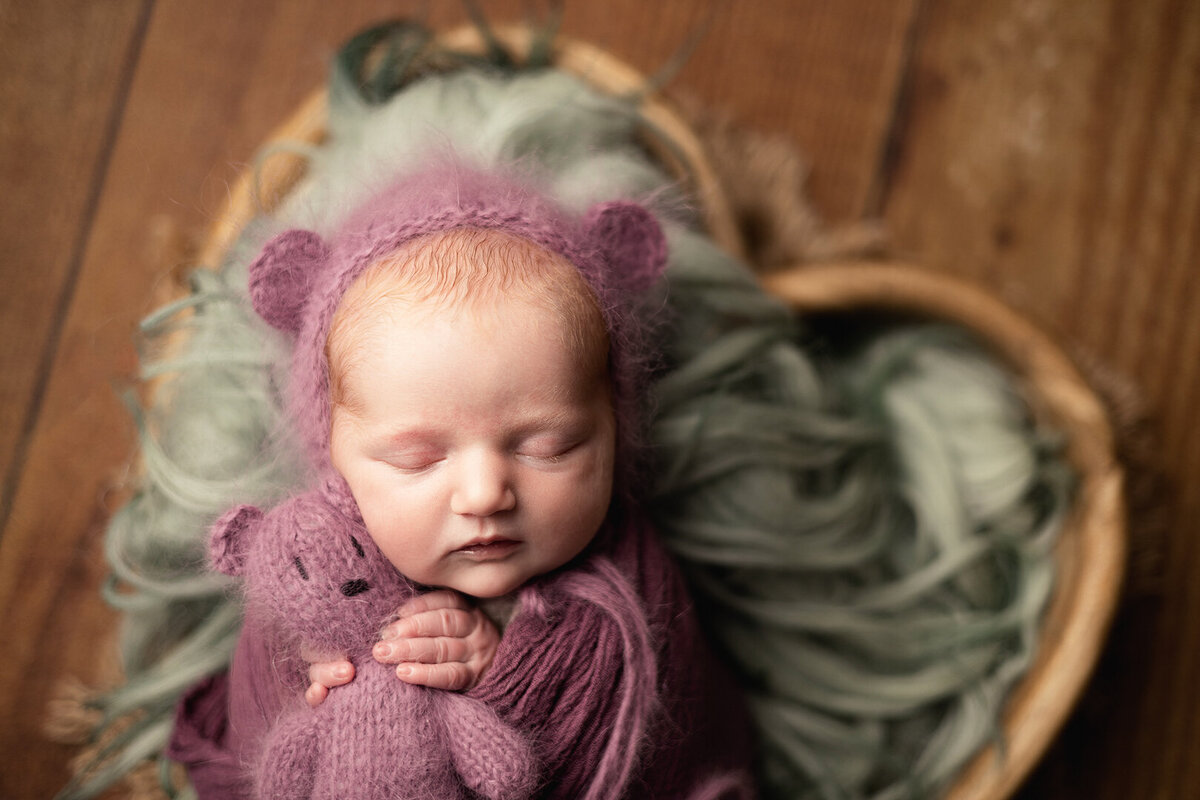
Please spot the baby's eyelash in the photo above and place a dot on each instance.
(413, 470)
(410, 466)
(551, 455)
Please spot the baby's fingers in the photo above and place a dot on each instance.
(440, 641)
(438, 650)
(432, 623)
(453, 676)
(315, 694)
(331, 673)
(431, 601)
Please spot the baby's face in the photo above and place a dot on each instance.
(478, 450)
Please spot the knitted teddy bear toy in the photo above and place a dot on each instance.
(314, 576)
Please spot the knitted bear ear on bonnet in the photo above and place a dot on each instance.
(281, 277)
(633, 243)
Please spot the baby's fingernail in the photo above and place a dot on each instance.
(394, 631)
(341, 672)
(382, 650)
(404, 671)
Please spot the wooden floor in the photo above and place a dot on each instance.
(1049, 149)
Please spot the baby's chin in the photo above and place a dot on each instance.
(487, 585)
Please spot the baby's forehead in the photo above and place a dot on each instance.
(472, 276)
(480, 259)
(473, 242)
(467, 267)
(471, 270)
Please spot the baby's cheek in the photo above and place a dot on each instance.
(576, 508)
(382, 495)
(594, 489)
(406, 533)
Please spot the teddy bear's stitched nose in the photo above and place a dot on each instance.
(353, 587)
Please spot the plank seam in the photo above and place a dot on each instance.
(888, 156)
(75, 264)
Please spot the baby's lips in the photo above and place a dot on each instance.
(491, 550)
(485, 541)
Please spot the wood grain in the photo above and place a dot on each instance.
(1050, 151)
(63, 71)
(820, 74)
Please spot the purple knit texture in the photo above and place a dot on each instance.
(603, 672)
(299, 279)
(314, 578)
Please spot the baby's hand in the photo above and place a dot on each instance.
(323, 676)
(440, 641)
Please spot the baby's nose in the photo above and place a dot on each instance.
(483, 486)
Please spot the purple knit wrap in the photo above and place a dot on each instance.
(603, 670)
(299, 279)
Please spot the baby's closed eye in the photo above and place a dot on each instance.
(415, 460)
(549, 449)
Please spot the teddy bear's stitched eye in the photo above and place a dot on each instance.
(300, 568)
(357, 547)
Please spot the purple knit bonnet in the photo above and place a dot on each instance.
(299, 278)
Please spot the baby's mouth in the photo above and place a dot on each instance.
(489, 550)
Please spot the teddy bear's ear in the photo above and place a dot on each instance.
(282, 275)
(632, 240)
(227, 539)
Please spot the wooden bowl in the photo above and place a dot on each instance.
(1090, 552)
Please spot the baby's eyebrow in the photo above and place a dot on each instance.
(558, 425)
(418, 431)
(557, 419)
(414, 437)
